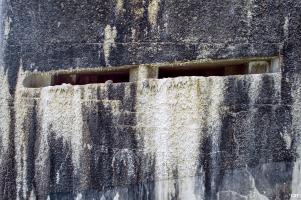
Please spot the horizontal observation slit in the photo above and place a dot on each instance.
(171, 72)
(223, 68)
(76, 78)
(132, 73)
(90, 78)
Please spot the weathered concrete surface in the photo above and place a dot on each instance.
(185, 138)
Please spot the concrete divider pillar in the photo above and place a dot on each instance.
(143, 72)
(258, 67)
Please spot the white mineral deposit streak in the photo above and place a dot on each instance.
(153, 9)
(76, 134)
(169, 114)
(19, 141)
(255, 86)
(116, 197)
(23, 107)
(21, 145)
(216, 97)
(5, 97)
(119, 6)
(42, 159)
(160, 122)
(7, 25)
(60, 106)
(153, 114)
(185, 132)
(249, 8)
(32, 195)
(286, 134)
(4, 114)
(286, 27)
(1, 26)
(127, 158)
(296, 115)
(79, 196)
(109, 41)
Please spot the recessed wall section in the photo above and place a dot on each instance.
(171, 72)
(91, 78)
(38, 80)
(221, 68)
(154, 71)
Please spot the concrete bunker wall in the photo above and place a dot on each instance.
(226, 137)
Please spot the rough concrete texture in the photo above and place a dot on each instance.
(227, 138)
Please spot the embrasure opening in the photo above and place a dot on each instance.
(90, 78)
(238, 67)
(80, 78)
(155, 71)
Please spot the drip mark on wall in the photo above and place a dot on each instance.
(109, 42)
(153, 9)
(286, 27)
(249, 14)
(119, 6)
(7, 24)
